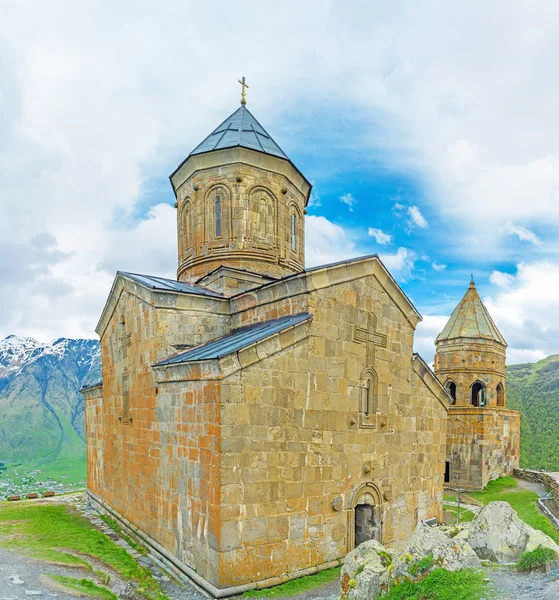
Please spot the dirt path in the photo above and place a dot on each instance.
(34, 577)
(524, 586)
(531, 486)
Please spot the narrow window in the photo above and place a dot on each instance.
(451, 389)
(500, 395)
(218, 216)
(294, 232)
(447, 472)
(369, 399)
(262, 217)
(478, 394)
(125, 400)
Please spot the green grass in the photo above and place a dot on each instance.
(296, 586)
(449, 497)
(465, 515)
(535, 560)
(53, 528)
(443, 585)
(524, 503)
(112, 523)
(86, 586)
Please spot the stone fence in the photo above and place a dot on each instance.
(547, 479)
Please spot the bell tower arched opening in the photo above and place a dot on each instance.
(478, 394)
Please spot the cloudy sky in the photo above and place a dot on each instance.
(429, 131)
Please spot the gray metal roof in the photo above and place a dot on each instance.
(236, 340)
(170, 285)
(240, 129)
(470, 319)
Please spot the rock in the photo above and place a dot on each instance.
(450, 553)
(33, 593)
(498, 535)
(15, 579)
(537, 538)
(363, 569)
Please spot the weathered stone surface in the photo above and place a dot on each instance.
(537, 538)
(450, 553)
(497, 534)
(363, 569)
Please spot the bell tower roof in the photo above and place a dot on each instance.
(240, 129)
(470, 319)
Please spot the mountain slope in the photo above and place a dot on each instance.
(41, 410)
(533, 389)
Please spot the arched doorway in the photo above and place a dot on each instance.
(364, 515)
(478, 394)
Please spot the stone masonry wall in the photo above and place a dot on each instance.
(155, 463)
(483, 444)
(292, 445)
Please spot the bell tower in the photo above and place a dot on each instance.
(483, 439)
(240, 208)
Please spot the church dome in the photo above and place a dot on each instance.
(240, 205)
(470, 319)
(240, 129)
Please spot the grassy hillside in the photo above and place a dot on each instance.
(533, 389)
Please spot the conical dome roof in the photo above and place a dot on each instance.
(240, 129)
(470, 319)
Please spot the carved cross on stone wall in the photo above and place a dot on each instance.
(371, 337)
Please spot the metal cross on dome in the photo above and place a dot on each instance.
(243, 93)
(371, 337)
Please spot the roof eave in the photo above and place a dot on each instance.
(287, 160)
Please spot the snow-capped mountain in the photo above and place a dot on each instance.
(41, 410)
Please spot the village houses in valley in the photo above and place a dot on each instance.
(257, 420)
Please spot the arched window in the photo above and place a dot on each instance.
(218, 216)
(451, 389)
(185, 226)
(500, 395)
(478, 394)
(369, 399)
(294, 232)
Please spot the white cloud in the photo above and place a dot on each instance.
(425, 334)
(401, 263)
(522, 233)
(314, 200)
(380, 237)
(326, 242)
(93, 110)
(438, 267)
(501, 280)
(349, 200)
(525, 310)
(416, 218)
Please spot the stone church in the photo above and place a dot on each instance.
(257, 420)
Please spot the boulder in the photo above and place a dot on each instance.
(449, 553)
(498, 535)
(538, 538)
(363, 568)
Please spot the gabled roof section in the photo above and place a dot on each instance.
(236, 340)
(170, 285)
(240, 129)
(470, 319)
